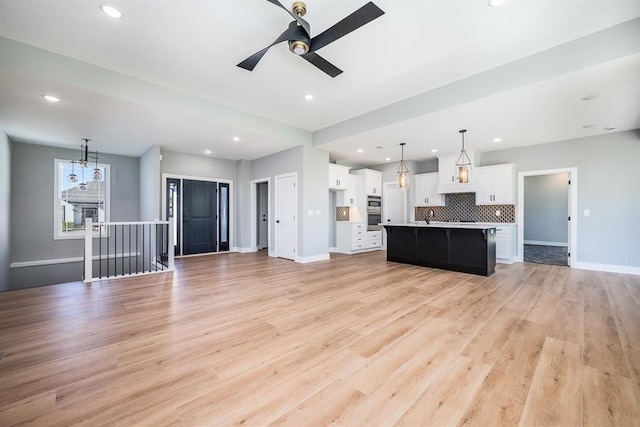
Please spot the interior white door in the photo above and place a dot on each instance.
(286, 225)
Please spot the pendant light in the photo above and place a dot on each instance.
(85, 156)
(403, 171)
(463, 163)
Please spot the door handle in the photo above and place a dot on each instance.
(277, 221)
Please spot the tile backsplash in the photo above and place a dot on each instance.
(462, 207)
(342, 213)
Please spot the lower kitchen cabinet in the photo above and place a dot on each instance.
(505, 243)
(353, 237)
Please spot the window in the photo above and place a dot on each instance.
(79, 200)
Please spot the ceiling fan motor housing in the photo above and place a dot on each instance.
(299, 8)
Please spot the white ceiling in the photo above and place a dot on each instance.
(165, 74)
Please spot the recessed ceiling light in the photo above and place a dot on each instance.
(496, 3)
(497, 139)
(236, 138)
(379, 147)
(589, 97)
(51, 98)
(207, 151)
(308, 97)
(111, 11)
(435, 150)
(388, 159)
(360, 150)
(588, 126)
(609, 127)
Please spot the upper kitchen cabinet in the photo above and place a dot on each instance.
(372, 181)
(426, 190)
(338, 177)
(495, 185)
(350, 196)
(448, 175)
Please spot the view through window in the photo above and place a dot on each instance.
(79, 196)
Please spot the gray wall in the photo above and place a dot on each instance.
(198, 166)
(5, 207)
(32, 203)
(606, 186)
(150, 184)
(546, 204)
(390, 173)
(268, 167)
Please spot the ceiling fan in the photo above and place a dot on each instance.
(298, 34)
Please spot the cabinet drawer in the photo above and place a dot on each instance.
(358, 233)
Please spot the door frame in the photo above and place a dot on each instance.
(200, 178)
(573, 211)
(253, 206)
(275, 204)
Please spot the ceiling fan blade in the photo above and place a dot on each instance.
(322, 64)
(301, 21)
(289, 34)
(357, 19)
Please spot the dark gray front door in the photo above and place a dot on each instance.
(199, 217)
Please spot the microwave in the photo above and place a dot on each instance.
(374, 202)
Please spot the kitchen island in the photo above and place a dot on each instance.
(468, 248)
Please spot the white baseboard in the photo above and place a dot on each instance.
(333, 249)
(314, 258)
(611, 268)
(244, 250)
(542, 243)
(40, 262)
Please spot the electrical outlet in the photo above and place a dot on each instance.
(498, 213)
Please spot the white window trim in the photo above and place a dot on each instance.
(57, 234)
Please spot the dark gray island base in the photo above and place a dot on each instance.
(468, 249)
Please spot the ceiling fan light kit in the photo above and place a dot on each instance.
(298, 35)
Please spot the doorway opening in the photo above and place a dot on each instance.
(394, 206)
(199, 211)
(261, 216)
(547, 216)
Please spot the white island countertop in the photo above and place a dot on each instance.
(437, 224)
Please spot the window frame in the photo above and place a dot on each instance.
(58, 234)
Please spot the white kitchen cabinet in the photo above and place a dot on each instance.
(495, 184)
(505, 243)
(338, 177)
(349, 197)
(353, 237)
(371, 181)
(448, 175)
(426, 190)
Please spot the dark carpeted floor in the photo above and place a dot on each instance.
(554, 255)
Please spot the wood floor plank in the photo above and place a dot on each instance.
(491, 408)
(602, 346)
(487, 344)
(513, 371)
(247, 338)
(26, 410)
(608, 399)
(555, 397)
(449, 396)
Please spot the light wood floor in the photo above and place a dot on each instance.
(355, 341)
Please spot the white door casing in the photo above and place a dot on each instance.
(286, 211)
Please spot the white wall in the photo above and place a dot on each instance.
(5, 209)
(546, 208)
(150, 184)
(606, 187)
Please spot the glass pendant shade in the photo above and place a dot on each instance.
(403, 171)
(82, 186)
(463, 163)
(82, 163)
(97, 174)
(73, 177)
(463, 174)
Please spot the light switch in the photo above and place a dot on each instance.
(310, 212)
(318, 212)
(587, 212)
